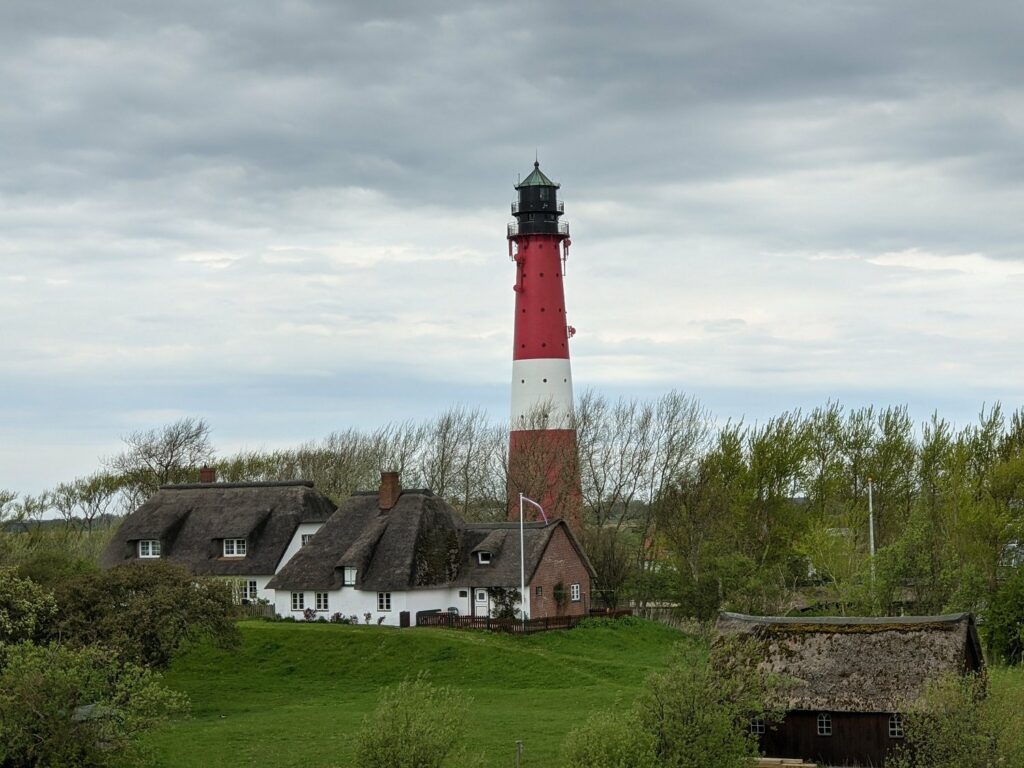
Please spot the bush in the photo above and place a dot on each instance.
(610, 740)
(416, 725)
(62, 707)
(1004, 624)
(53, 567)
(146, 612)
(26, 609)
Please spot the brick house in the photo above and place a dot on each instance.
(393, 553)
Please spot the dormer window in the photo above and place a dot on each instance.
(149, 548)
(234, 547)
(484, 558)
(348, 576)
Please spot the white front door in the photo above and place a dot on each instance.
(481, 607)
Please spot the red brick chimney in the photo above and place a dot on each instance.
(207, 475)
(390, 490)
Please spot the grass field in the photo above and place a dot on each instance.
(294, 694)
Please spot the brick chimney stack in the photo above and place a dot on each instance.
(207, 475)
(390, 490)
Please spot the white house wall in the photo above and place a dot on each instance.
(296, 543)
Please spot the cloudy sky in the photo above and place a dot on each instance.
(288, 216)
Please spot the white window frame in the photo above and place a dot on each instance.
(250, 589)
(574, 593)
(305, 539)
(896, 730)
(824, 724)
(484, 558)
(322, 601)
(348, 576)
(298, 601)
(384, 602)
(234, 547)
(149, 549)
(757, 726)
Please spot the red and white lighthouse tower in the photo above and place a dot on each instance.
(543, 462)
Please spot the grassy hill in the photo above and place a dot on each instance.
(294, 694)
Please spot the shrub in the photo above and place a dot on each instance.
(26, 608)
(1004, 624)
(610, 740)
(416, 725)
(64, 707)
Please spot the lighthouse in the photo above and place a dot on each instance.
(543, 462)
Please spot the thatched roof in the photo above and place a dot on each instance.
(419, 543)
(859, 664)
(192, 520)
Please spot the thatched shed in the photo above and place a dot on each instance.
(849, 679)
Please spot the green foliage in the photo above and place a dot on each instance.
(416, 725)
(506, 602)
(26, 608)
(52, 567)
(1004, 624)
(611, 739)
(64, 707)
(146, 612)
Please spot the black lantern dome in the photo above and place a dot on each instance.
(538, 208)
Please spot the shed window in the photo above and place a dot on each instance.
(298, 601)
(234, 547)
(383, 601)
(574, 592)
(757, 726)
(348, 576)
(824, 724)
(484, 558)
(896, 727)
(149, 548)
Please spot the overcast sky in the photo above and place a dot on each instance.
(288, 216)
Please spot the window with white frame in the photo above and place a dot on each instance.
(757, 726)
(383, 601)
(298, 601)
(149, 548)
(574, 592)
(348, 576)
(824, 724)
(234, 547)
(539, 591)
(305, 538)
(321, 601)
(484, 558)
(896, 727)
(249, 589)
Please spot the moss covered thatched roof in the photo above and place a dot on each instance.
(859, 664)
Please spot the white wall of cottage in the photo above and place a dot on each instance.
(296, 543)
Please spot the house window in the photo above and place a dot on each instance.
(757, 726)
(574, 592)
(481, 596)
(383, 601)
(348, 576)
(824, 724)
(321, 601)
(896, 727)
(539, 591)
(149, 548)
(463, 593)
(298, 601)
(234, 547)
(484, 558)
(305, 538)
(249, 589)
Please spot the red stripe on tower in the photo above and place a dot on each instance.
(543, 460)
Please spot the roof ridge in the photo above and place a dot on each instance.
(257, 484)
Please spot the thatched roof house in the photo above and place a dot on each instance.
(241, 530)
(850, 678)
(409, 550)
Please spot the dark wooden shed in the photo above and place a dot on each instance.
(851, 679)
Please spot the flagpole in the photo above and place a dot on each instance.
(522, 564)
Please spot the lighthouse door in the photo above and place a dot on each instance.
(481, 608)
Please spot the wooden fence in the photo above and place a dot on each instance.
(510, 626)
(255, 611)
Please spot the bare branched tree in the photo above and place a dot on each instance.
(167, 454)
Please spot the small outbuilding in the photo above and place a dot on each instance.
(850, 680)
(244, 532)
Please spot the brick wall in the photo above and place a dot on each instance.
(561, 563)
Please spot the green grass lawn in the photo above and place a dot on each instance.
(294, 694)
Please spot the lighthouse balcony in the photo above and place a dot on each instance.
(516, 228)
(541, 207)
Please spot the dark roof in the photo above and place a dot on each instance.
(876, 664)
(421, 543)
(191, 520)
(536, 179)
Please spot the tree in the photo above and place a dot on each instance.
(1004, 624)
(167, 454)
(416, 725)
(65, 707)
(26, 609)
(146, 612)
